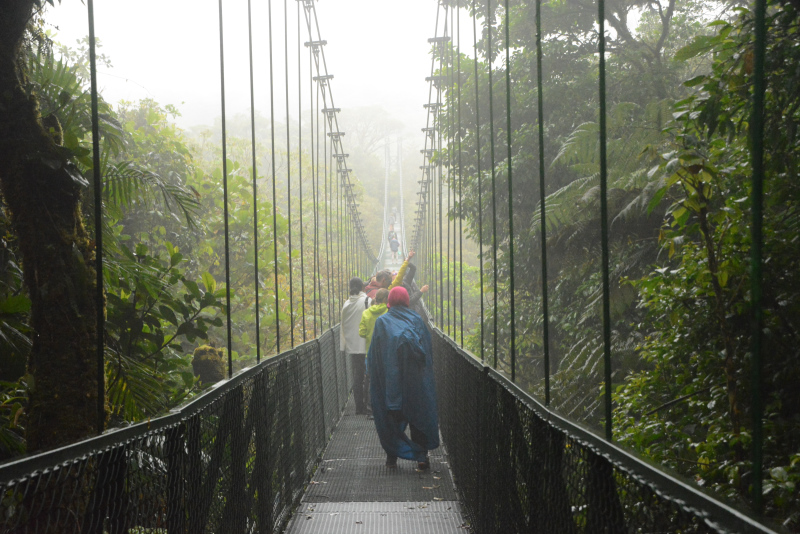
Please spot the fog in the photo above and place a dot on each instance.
(169, 50)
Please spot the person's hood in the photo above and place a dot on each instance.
(354, 298)
(378, 309)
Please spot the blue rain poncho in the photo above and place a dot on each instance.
(400, 364)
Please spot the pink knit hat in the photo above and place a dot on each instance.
(398, 297)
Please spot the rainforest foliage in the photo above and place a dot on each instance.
(679, 78)
(164, 247)
(679, 75)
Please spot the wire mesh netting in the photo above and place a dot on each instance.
(522, 468)
(234, 460)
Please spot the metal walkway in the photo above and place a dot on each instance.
(353, 491)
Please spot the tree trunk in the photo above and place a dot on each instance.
(43, 202)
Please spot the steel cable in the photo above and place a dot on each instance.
(480, 177)
(274, 186)
(489, 58)
(543, 228)
(757, 200)
(97, 183)
(512, 310)
(460, 190)
(288, 172)
(255, 176)
(601, 50)
(225, 194)
(300, 174)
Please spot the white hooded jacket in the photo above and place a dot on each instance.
(349, 340)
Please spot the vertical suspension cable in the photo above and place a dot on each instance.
(543, 230)
(255, 175)
(757, 147)
(314, 115)
(510, 202)
(315, 185)
(490, 57)
(460, 191)
(98, 229)
(225, 193)
(339, 271)
(345, 238)
(322, 168)
(300, 173)
(441, 179)
(432, 231)
(325, 174)
(288, 172)
(450, 143)
(350, 232)
(274, 187)
(604, 216)
(480, 177)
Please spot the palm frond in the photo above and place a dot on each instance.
(128, 185)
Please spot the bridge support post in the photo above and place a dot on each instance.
(234, 515)
(557, 511)
(176, 478)
(262, 471)
(483, 491)
(108, 500)
(321, 394)
(604, 515)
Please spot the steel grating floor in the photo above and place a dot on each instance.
(353, 491)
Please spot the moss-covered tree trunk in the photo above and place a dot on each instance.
(57, 254)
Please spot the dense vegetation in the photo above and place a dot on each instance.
(679, 85)
(164, 248)
(679, 75)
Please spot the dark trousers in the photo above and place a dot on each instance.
(359, 369)
(417, 436)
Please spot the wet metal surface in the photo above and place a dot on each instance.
(385, 518)
(353, 491)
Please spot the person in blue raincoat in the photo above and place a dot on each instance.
(403, 392)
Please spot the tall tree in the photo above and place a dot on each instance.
(42, 191)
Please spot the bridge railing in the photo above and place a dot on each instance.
(522, 468)
(235, 459)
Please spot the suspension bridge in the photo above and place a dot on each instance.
(277, 447)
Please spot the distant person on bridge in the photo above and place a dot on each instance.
(394, 244)
(353, 344)
(384, 279)
(403, 393)
(381, 280)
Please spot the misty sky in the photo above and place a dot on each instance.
(169, 50)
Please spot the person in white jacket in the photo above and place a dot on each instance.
(352, 344)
